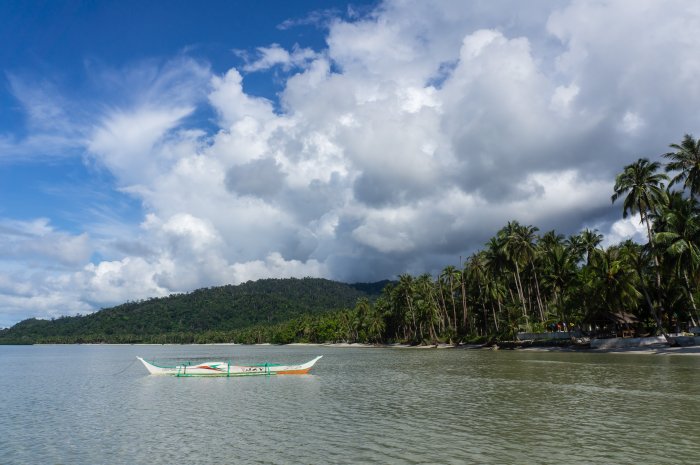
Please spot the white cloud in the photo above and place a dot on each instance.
(234, 105)
(626, 229)
(37, 241)
(419, 131)
(130, 144)
(274, 55)
(275, 266)
(631, 122)
(113, 282)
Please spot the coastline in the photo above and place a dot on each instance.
(659, 349)
(646, 350)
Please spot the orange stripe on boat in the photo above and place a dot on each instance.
(294, 372)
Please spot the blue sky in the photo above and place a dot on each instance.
(64, 45)
(148, 148)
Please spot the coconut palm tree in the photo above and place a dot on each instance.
(590, 240)
(560, 272)
(403, 294)
(644, 192)
(685, 161)
(643, 189)
(427, 307)
(638, 257)
(518, 246)
(376, 326)
(480, 271)
(613, 281)
(680, 238)
(551, 238)
(451, 277)
(497, 265)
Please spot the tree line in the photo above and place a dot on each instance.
(204, 313)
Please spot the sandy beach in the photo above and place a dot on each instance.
(647, 350)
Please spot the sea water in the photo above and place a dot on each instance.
(91, 404)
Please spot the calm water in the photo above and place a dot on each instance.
(70, 405)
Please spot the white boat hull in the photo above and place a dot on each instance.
(227, 369)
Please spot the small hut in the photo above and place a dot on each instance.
(612, 324)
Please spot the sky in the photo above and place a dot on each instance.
(148, 148)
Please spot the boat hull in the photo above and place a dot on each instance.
(228, 370)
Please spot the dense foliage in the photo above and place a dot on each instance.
(178, 318)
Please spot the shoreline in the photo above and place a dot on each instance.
(642, 350)
(648, 350)
(645, 350)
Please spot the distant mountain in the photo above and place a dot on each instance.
(224, 308)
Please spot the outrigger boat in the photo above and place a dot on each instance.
(227, 369)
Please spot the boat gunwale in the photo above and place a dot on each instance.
(193, 364)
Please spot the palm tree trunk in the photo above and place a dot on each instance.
(500, 310)
(413, 314)
(690, 294)
(495, 320)
(436, 304)
(444, 302)
(539, 296)
(454, 308)
(464, 303)
(519, 286)
(659, 312)
(646, 294)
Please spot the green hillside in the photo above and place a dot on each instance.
(225, 308)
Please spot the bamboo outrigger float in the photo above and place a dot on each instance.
(227, 369)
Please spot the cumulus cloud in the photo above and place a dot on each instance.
(421, 129)
(36, 263)
(40, 242)
(275, 55)
(626, 229)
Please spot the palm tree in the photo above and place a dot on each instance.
(612, 281)
(463, 292)
(513, 248)
(643, 188)
(427, 307)
(637, 256)
(519, 246)
(550, 239)
(590, 240)
(681, 239)
(497, 263)
(497, 283)
(561, 271)
(644, 192)
(686, 162)
(376, 326)
(451, 276)
(480, 270)
(403, 294)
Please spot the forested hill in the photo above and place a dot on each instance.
(225, 308)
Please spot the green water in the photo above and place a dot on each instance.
(91, 405)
